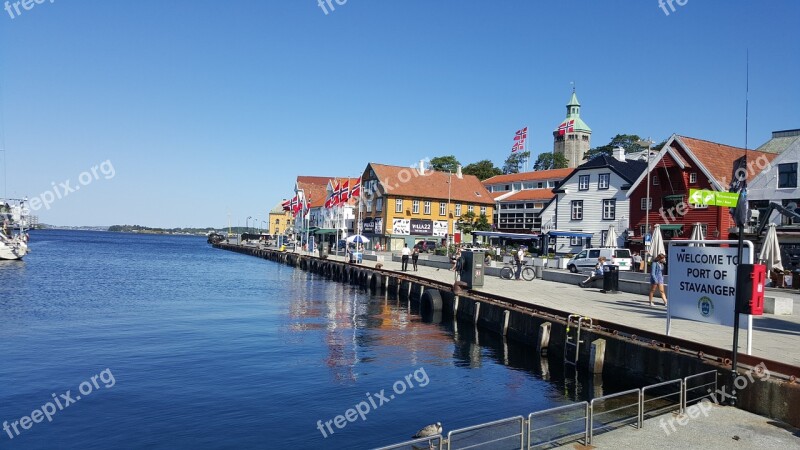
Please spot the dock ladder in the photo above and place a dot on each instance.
(572, 344)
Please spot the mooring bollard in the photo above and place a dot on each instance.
(597, 356)
(506, 316)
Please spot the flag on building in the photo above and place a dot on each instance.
(335, 195)
(741, 213)
(356, 190)
(287, 205)
(566, 127)
(344, 191)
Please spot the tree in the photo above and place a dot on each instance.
(549, 160)
(466, 223)
(514, 162)
(482, 169)
(630, 142)
(483, 224)
(447, 163)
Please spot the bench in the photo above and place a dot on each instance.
(779, 306)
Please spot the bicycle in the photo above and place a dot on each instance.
(507, 272)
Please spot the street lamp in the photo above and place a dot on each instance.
(449, 186)
(247, 224)
(262, 225)
(649, 143)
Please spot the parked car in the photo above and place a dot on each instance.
(587, 259)
(426, 246)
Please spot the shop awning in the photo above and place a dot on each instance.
(576, 234)
(671, 227)
(320, 231)
(510, 236)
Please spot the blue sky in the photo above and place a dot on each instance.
(206, 108)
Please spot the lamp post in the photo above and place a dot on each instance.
(307, 218)
(649, 143)
(247, 224)
(449, 226)
(262, 225)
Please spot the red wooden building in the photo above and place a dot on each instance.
(686, 163)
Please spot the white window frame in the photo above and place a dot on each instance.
(379, 205)
(612, 209)
(655, 180)
(442, 209)
(426, 208)
(470, 208)
(398, 205)
(415, 207)
(576, 210)
(642, 230)
(458, 209)
(644, 203)
(584, 186)
(575, 241)
(368, 205)
(604, 177)
(483, 210)
(693, 178)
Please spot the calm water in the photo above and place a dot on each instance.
(203, 348)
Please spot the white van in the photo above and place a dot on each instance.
(587, 259)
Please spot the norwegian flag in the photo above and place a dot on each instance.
(566, 127)
(344, 192)
(356, 190)
(337, 190)
(329, 203)
(518, 147)
(294, 204)
(521, 134)
(286, 205)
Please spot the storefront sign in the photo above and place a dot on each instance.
(401, 227)
(440, 228)
(713, 198)
(368, 226)
(422, 227)
(378, 225)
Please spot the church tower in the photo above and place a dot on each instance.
(572, 138)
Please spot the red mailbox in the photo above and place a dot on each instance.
(750, 280)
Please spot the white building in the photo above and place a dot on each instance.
(776, 181)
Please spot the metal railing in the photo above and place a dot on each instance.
(558, 431)
(560, 425)
(617, 419)
(663, 403)
(505, 433)
(432, 442)
(704, 387)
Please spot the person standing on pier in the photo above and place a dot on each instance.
(414, 258)
(657, 278)
(519, 258)
(404, 259)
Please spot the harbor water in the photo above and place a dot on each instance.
(144, 341)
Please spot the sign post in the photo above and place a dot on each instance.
(702, 283)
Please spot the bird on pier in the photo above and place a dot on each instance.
(430, 430)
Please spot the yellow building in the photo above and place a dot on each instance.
(280, 220)
(403, 205)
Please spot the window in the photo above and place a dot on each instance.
(604, 181)
(577, 210)
(483, 210)
(642, 230)
(540, 185)
(458, 209)
(426, 208)
(415, 207)
(575, 241)
(469, 208)
(583, 183)
(647, 203)
(787, 175)
(551, 184)
(528, 186)
(379, 205)
(603, 237)
(442, 209)
(398, 205)
(538, 205)
(698, 206)
(693, 178)
(517, 186)
(609, 209)
(508, 187)
(369, 205)
(655, 180)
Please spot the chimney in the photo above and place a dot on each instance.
(619, 153)
(458, 172)
(422, 167)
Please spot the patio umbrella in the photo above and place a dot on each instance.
(770, 251)
(697, 235)
(657, 242)
(611, 237)
(358, 239)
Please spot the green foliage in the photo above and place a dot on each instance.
(483, 223)
(447, 163)
(513, 163)
(466, 223)
(550, 160)
(482, 169)
(630, 142)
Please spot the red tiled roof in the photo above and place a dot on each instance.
(529, 176)
(719, 158)
(530, 194)
(315, 189)
(433, 185)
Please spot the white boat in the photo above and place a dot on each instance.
(15, 217)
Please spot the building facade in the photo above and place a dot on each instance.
(280, 221)
(520, 198)
(591, 199)
(402, 205)
(778, 181)
(572, 138)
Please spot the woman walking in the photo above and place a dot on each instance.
(657, 278)
(415, 257)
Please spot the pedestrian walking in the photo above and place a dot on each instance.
(456, 258)
(404, 258)
(657, 278)
(414, 258)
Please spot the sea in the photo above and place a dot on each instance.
(117, 341)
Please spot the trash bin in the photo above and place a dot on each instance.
(472, 268)
(610, 278)
(539, 270)
(323, 251)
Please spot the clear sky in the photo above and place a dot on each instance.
(205, 108)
